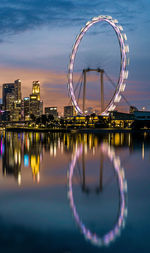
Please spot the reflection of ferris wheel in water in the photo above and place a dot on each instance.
(120, 87)
(112, 234)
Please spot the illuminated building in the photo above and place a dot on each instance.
(120, 119)
(8, 88)
(14, 107)
(68, 111)
(26, 107)
(12, 88)
(12, 99)
(36, 106)
(17, 89)
(51, 111)
(36, 89)
(9, 104)
(41, 107)
(16, 114)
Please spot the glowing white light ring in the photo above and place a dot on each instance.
(123, 72)
(112, 234)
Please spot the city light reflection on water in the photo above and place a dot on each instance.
(34, 172)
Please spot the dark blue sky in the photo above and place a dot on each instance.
(37, 38)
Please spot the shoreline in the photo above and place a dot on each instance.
(71, 130)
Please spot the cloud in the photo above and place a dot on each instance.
(22, 15)
(18, 16)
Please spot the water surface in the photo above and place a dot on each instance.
(74, 192)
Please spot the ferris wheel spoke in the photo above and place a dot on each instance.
(114, 85)
(79, 92)
(77, 85)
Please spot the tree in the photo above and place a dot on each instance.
(43, 119)
(38, 120)
(62, 122)
(32, 116)
(50, 117)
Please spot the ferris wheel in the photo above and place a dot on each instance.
(123, 75)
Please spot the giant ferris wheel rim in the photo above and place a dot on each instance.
(124, 49)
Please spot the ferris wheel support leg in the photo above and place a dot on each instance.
(102, 90)
(84, 90)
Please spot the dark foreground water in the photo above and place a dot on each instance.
(74, 193)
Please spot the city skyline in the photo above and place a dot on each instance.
(35, 47)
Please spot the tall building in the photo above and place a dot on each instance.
(41, 107)
(17, 87)
(8, 88)
(16, 114)
(26, 107)
(12, 99)
(51, 111)
(36, 89)
(36, 106)
(68, 111)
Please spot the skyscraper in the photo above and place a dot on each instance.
(41, 107)
(8, 88)
(16, 114)
(12, 99)
(36, 106)
(17, 87)
(26, 107)
(36, 89)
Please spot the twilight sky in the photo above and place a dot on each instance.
(37, 37)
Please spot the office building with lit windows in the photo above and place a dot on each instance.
(26, 108)
(51, 111)
(36, 105)
(8, 88)
(17, 89)
(12, 99)
(69, 111)
(36, 89)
